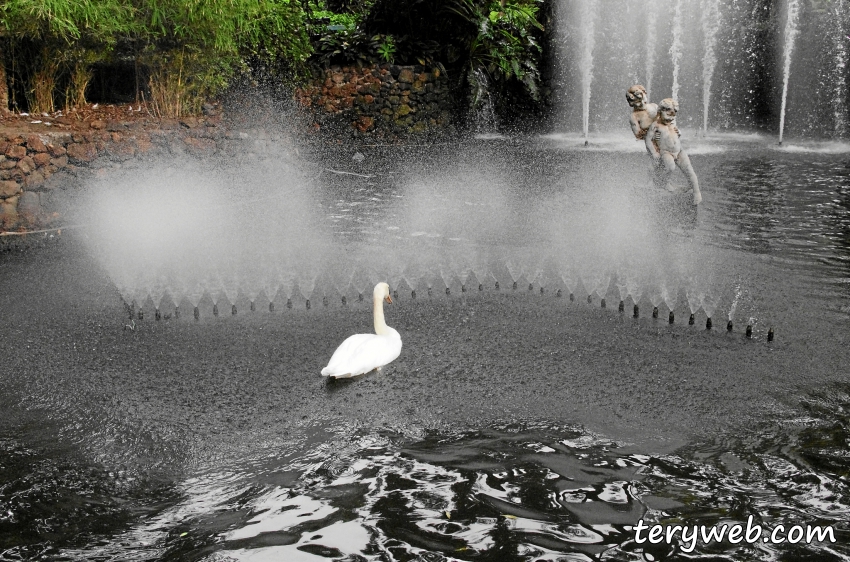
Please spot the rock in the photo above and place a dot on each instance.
(29, 206)
(406, 76)
(41, 159)
(56, 149)
(8, 188)
(82, 151)
(113, 126)
(98, 124)
(59, 162)
(35, 144)
(34, 179)
(7, 163)
(403, 110)
(26, 164)
(9, 212)
(16, 151)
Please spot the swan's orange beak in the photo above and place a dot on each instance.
(389, 299)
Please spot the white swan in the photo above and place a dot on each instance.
(362, 353)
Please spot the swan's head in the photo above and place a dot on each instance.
(382, 291)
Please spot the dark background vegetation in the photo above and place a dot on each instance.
(174, 55)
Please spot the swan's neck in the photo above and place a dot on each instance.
(381, 327)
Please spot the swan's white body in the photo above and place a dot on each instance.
(362, 353)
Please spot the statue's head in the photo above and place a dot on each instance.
(667, 110)
(636, 96)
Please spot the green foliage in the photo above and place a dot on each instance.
(505, 47)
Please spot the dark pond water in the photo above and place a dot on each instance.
(516, 425)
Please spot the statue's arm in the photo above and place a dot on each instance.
(636, 130)
(651, 133)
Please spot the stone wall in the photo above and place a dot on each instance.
(35, 166)
(384, 100)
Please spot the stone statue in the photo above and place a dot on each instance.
(643, 112)
(662, 143)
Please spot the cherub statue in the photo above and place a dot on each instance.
(643, 112)
(662, 142)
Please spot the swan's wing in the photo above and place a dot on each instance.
(343, 354)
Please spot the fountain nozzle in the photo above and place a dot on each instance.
(233, 309)
(636, 311)
(448, 291)
(729, 326)
(197, 313)
(621, 307)
(177, 312)
(344, 300)
(215, 310)
(708, 323)
(288, 303)
(770, 335)
(602, 303)
(271, 306)
(324, 301)
(497, 285)
(480, 286)
(655, 312)
(749, 331)
(463, 288)
(691, 320)
(157, 314)
(589, 299)
(429, 291)
(672, 317)
(413, 294)
(530, 287)
(572, 297)
(141, 314)
(395, 295)
(253, 306)
(308, 304)
(514, 285)
(558, 294)
(360, 297)
(586, 143)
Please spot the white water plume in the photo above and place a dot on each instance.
(588, 39)
(791, 32)
(650, 37)
(711, 24)
(676, 48)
